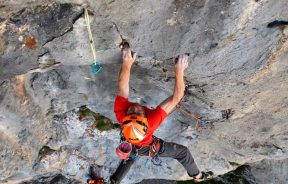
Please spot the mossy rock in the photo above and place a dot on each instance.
(102, 123)
(45, 150)
(84, 113)
(241, 175)
(235, 164)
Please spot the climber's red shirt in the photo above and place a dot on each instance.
(154, 116)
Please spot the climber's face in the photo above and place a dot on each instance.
(136, 109)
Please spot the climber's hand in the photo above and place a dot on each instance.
(129, 57)
(181, 64)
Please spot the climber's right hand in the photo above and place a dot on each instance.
(128, 57)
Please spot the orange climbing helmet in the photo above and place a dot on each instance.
(134, 128)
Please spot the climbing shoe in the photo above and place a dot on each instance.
(93, 177)
(91, 180)
(205, 176)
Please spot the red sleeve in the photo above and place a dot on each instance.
(120, 107)
(155, 117)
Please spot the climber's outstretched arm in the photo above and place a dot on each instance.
(170, 103)
(124, 75)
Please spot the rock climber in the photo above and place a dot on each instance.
(138, 123)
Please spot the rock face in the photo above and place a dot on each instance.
(28, 30)
(52, 178)
(237, 79)
(240, 175)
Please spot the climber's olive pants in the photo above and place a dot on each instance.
(167, 149)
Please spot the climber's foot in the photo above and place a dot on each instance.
(91, 180)
(204, 176)
(93, 176)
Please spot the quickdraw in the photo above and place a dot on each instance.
(201, 123)
(96, 68)
(134, 156)
(204, 124)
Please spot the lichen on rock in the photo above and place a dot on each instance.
(56, 116)
(102, 123)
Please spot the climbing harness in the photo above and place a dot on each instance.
(96, 68)
(154, 149)
(126, 150)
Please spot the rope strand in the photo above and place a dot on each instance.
(92, 45)
(200, 122)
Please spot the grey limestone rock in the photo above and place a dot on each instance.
(236, 79)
